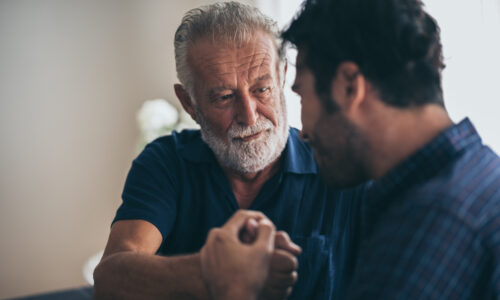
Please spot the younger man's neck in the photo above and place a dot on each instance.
(406, 131)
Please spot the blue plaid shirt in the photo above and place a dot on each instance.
(430, 228)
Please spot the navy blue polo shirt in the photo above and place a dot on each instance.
(177, 185)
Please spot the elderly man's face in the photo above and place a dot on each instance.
(239, 101)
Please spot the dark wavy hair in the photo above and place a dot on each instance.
(395, 43)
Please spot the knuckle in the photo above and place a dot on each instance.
(294, 277)
(290, 262)
(282, 260)
(268, 250)
(269, 225)
(214, 233)
(294, 262)
(289, 279)
(283, 236)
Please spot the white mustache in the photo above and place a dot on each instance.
(239, 131)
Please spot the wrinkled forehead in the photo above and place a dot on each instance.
(210, 57)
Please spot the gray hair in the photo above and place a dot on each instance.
(225, 21)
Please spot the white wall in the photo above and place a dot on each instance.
(470, 32)
(72, 76)
(283, 11)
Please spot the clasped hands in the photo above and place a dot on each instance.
(248, 259)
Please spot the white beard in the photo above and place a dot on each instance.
(250, 156)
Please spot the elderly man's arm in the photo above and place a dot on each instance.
(130, 269)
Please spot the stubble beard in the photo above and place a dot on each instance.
(341, 152)
(248, 156)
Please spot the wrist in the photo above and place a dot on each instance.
(204, 284)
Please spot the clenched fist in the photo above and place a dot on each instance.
(233, 269)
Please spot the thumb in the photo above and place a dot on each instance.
(265, 234)
(283, 241)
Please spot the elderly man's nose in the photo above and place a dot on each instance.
(247, 110)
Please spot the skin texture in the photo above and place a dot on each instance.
(237, 270)
(337, 142)
(130, 269)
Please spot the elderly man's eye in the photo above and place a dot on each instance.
(225, 97)
(263, 90)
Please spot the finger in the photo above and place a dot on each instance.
(276, 294)
(265, 234)
(283, 241)
(238, 220)
(246, 238)
(283, 261)
(251, 227)
(249, 232)
(282, 280)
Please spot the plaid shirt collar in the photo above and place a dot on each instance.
(419, 167)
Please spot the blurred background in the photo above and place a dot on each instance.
(74, 74)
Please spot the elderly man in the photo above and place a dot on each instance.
(244, 156)
(369, 76)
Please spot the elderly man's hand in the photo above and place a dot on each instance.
(283, 268)
(233, 269)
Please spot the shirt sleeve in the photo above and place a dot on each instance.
(151, 191)
(422, 253)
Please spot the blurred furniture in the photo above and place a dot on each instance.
(82, 293)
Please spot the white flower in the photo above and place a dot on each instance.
(156, 117)
(186, 122)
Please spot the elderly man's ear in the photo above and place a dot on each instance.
(186, 101)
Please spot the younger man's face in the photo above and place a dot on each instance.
(339, 146)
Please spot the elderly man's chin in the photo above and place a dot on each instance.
(248, 156)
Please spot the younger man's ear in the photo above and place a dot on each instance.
(185, 99)
(348, 87)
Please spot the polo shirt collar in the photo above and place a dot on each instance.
(195, 149)
(297, 155)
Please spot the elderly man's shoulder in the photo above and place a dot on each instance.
(175, 140)
(172, 147)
